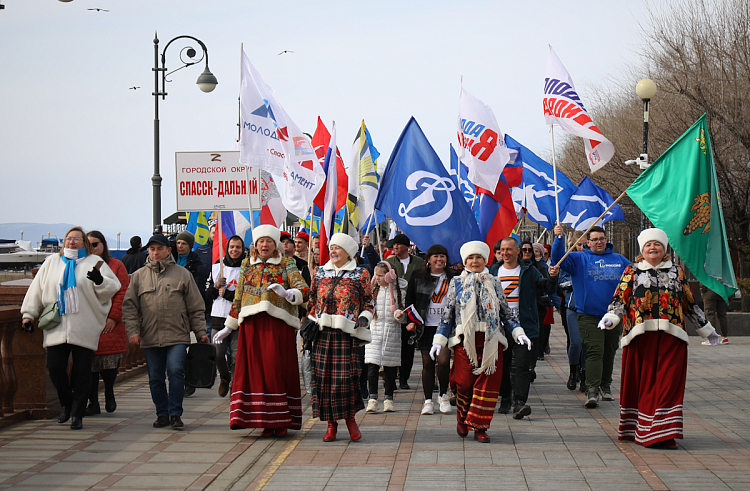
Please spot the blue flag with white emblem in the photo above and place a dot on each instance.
(586, 204)
(421, 198)
(537, 192)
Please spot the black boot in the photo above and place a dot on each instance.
(108, 376)
(573, 378)
(583, 387)
(93, 407)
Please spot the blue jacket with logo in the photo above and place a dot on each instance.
(595, 276)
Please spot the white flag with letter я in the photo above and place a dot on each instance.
(269, 139)
(562, 106)
(481, 143)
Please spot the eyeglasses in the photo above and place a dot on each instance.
(600, 239)
(73, 239)
(95, 244)
(527, 249)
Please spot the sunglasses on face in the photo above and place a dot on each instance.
(526, 249)
(95, 244)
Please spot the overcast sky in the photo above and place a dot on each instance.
(76, 145)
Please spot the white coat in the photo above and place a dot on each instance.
(94, 301)
(385, 347)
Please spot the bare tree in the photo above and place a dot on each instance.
(698, 53)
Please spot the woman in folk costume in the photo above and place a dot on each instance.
(652, 301)
(265, 390)
(474, 324)
(341, 304)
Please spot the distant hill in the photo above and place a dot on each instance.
(35, 231)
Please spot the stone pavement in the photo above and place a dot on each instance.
(561, 446)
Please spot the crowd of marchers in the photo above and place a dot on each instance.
(480, 324)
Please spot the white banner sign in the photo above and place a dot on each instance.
(215, 181)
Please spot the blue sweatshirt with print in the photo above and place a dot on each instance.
(595, 276)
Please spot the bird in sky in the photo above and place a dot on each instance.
(286, 51)
(99, 10)
(133, 88)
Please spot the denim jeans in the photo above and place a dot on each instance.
(169, 361)
(576, 353)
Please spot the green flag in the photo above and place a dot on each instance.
(679, 193)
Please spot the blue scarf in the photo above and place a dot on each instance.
(182, 259)
(68, 296)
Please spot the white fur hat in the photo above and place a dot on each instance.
(652, 234)
(345, 242)
(475, 247)
(266, 231)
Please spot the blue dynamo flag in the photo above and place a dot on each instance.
(537, 193)
(587, 203)
(421, 198)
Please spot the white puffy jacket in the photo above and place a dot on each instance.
(385, 347)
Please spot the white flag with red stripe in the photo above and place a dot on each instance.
(563, 107)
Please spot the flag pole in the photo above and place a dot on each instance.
(221, 243)
(239, 136)
(460, 143)
(377, 235)
(554, 172)
(572, 248)
(309, 249)
(369, 222)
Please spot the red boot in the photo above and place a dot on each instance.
(354, 434)
(331, 431)
(462, 429)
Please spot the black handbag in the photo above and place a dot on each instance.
(200, 366)
(310, 330)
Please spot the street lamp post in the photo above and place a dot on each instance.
(206, 82)
(646, 89)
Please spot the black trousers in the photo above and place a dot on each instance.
(74, 392)
(389, 380)
(407, 356)
(517, 365)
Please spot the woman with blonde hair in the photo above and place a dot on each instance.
(82, 285)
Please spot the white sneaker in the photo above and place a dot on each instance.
(706, 343)
(388, 406)
(445, 404)
(428, 407)
(372, 406)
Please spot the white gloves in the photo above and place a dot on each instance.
(282, 292)
(714, 338)
(219, 336)
(605, 324)
(435, 351)
(523, 339)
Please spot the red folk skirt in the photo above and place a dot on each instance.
(476, 395)
(336, 372)
(266, 386)
(654, 369)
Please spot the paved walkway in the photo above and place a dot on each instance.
(561, 446)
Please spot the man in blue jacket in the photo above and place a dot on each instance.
(521, 283)
(595, 272)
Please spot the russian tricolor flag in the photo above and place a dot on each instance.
(497, 214)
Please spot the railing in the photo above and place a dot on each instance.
(22, 358)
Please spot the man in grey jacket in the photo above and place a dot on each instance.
(169, 305)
